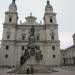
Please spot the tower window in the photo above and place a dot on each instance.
(22, 47)
(53, 56)
(51, 20)
(52, 37)
(53, 47)
(7, 47)
(10, 19)
(8, 36)
(6, 56)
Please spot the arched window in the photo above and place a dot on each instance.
(6, 56)
(7, 47)
(52, 37)
(8, 36)
(10, 19)
(54, 56)
(22, 47)
(37, 37)
(53, 47)
(23, 37)
(51, 20)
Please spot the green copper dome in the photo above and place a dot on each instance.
(48, 4)
(13, 5)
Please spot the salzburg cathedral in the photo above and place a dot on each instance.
(30, 43)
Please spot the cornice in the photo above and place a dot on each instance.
(50, 14)
(21, 25)
(8, 40)
(10, 24)
(7, 12)
(52, 41)
(47, 41)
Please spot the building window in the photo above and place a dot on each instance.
(7, 47)
(23, 37)
(37, 37)
(53, 56)
(53, 47)
(6, 56)
(22, 47)
(8, 36)
(51, 20)
(37, 47)
(52, 37)
(10, 19)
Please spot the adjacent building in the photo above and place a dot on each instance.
(68, 54)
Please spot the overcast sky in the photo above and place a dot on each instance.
(65, 10)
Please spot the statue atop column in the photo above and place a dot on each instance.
(32, 49)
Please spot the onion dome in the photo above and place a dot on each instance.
(12, 6)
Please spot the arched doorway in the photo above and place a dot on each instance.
(28, 71)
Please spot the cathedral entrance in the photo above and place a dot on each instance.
(30, 70)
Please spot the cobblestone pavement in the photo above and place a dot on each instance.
(61, 71)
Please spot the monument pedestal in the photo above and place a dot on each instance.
(33, 69)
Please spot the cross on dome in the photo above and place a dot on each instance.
(47, 1)
(48, 5)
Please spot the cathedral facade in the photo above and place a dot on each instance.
(15, 37)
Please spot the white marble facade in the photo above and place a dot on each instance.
(15, 37)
